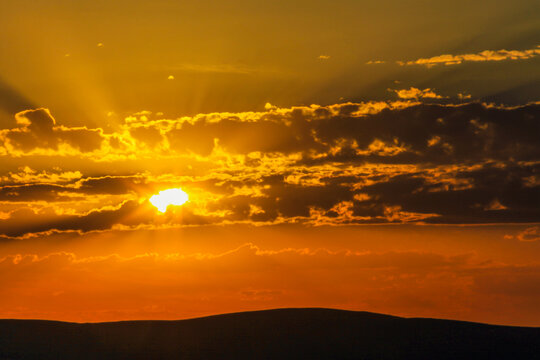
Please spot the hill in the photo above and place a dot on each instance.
(271, 334)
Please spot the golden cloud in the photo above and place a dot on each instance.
(486, 55)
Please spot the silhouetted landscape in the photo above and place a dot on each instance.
(271, 334)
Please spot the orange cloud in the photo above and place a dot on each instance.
(528, 235)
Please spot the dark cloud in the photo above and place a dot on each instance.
(73, 190)
(438, 134)
(495, 195)
(38, 130)
(112, 185)
(364, 132)
(237, 136)
(490, 193)
(26, 221)
(33, 192)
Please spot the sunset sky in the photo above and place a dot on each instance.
(366, 155)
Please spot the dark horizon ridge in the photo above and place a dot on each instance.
(288, 333)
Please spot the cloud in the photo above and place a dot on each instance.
(315, 133)
(486, 55)
(26, 175)
(38, 133)
(324, 132)
(530, 234)
(25, 221)
(489, 193)
(414, 93)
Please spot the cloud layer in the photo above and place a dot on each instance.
(350, 163)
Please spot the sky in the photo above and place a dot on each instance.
(367, 155)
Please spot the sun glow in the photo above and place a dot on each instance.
(169, 197)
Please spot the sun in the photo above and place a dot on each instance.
(169, 197)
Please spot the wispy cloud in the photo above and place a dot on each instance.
(528, 235)
(486, 55)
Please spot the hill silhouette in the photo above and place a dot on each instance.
(270, 334)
